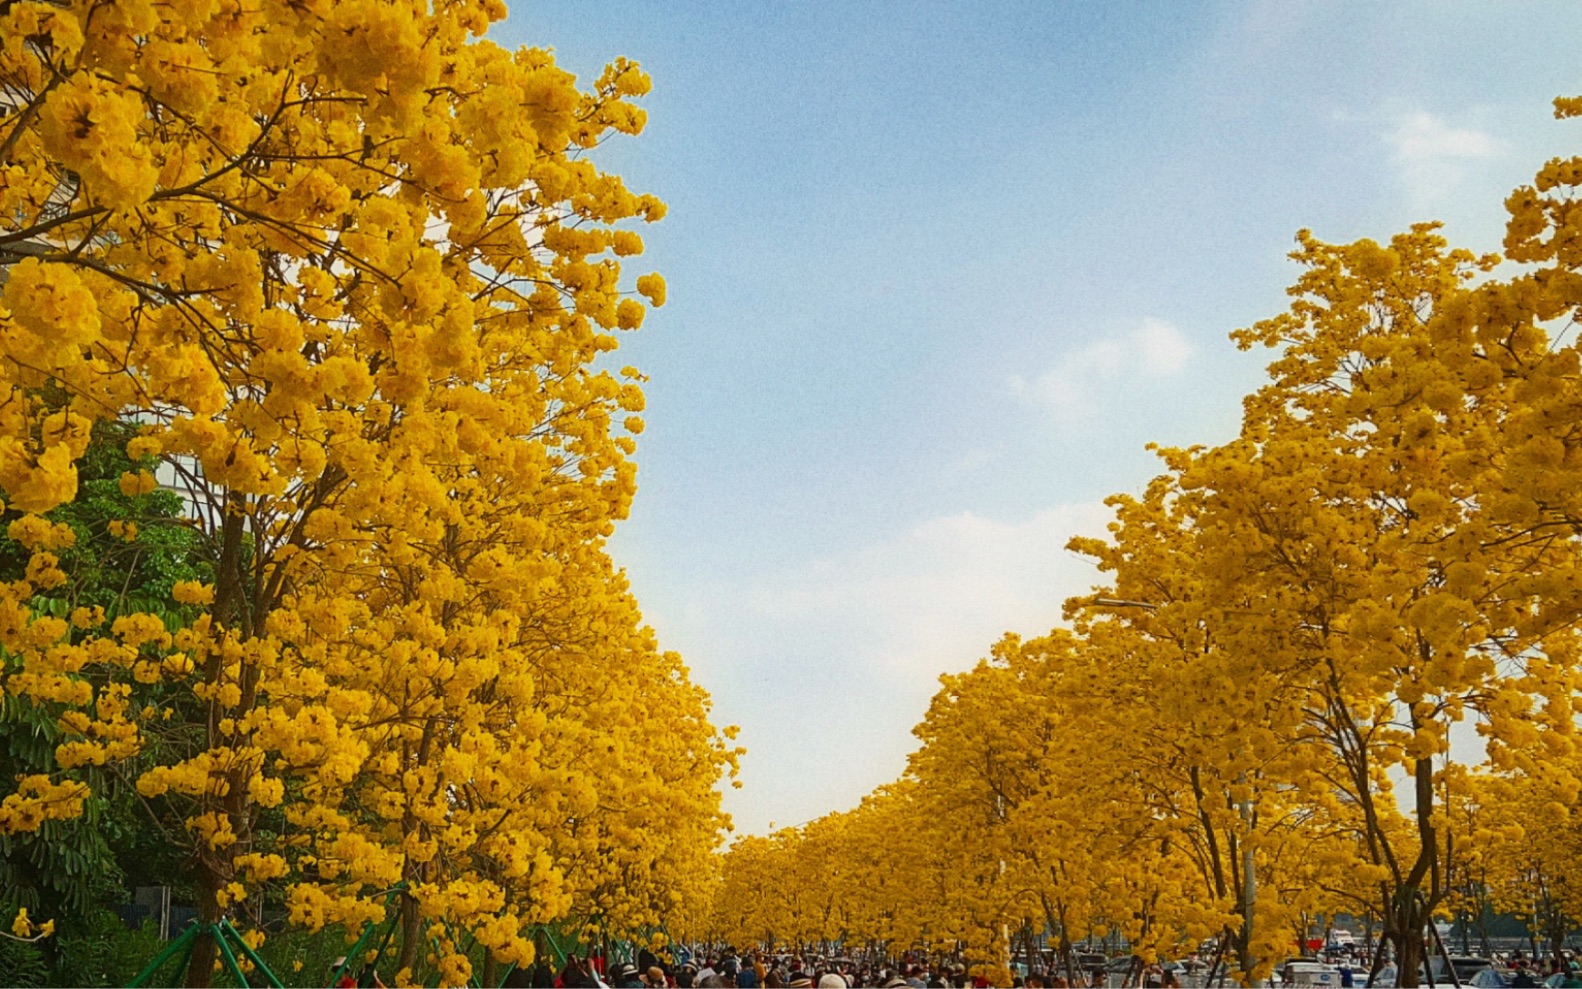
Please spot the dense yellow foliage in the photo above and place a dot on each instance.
(353, 273)
(1249, 727)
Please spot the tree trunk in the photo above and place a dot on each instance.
(1557, 937)
(1409, 926)
(1245, 892)
(205, 951)
(214, 872)
(410, 923)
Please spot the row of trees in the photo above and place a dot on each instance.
(310, 447)
(1334, 668)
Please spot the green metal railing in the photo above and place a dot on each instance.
(229, 940)
(233, 948)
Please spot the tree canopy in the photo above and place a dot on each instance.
(341, 282)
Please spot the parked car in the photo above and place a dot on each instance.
(1466, 966)
(1469, 970)
(1488, 977)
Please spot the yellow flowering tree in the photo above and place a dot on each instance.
(346, 271)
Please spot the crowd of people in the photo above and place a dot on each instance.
(752, 970)
(758, 970)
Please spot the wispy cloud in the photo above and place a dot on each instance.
(1074, 389)
(937, 596)
(1422, 136)
(1432, 156)
(1162, 348)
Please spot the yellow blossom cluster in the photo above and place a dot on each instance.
(24, 928)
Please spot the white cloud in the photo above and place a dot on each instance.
(936, 597)
(1422, 136)
(1433, 157)
(1074, 388)
(1163, 349)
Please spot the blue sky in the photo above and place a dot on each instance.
(939, 271)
